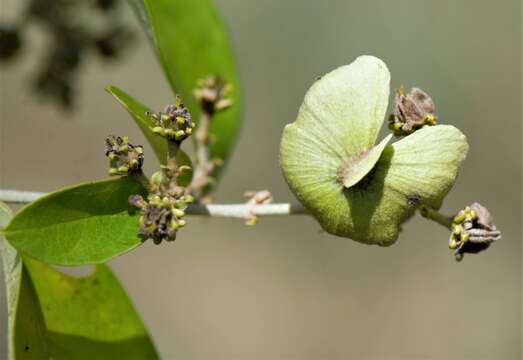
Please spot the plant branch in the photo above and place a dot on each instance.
(215, 210)
(203, 165)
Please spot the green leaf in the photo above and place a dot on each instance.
(83, 224)
(12, 274)
(55, 316)
(192, 43)
(141, 14)
(28, 335)
(145, 123)
(64, 317)
(328, 159)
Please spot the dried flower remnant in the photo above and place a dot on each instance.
(473, 231)
(256, 198)
(124, 157)
(412, 111)
(212, 92)
(174, 123)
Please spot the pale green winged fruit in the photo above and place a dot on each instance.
(354, 188)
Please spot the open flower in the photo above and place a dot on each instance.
(353, 187)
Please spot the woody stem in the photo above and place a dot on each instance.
(214, 210)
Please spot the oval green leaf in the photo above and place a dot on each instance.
(63, 317)
(12, 266)
(192, 43)
(159, 144)
(83, 224)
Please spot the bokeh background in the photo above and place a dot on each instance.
(284, 289)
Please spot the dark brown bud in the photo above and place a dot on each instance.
(412, 111)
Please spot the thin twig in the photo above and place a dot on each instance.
(172, 150)
(216, 210)
(434, 215)
(203, 165)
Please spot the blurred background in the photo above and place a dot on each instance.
(284, 289)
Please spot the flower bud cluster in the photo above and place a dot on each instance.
(472, 231)
(212, 92)
(412, 111)
(174, 123)
(162, 215)
(124, 158)
(164, 208)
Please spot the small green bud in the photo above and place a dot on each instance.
(178, 212)
(157, 178)
(430, 119)
(158, 130)
(179, 135)
(396, 126)
(123, 148)
(174, 224)
(155, 200)
(458, 219)
(251, 221)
